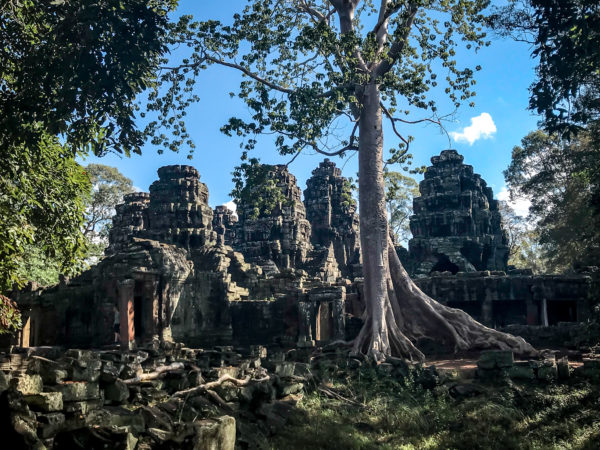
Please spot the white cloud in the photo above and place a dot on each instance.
(231, 206)
(520, 205)
(482, 127)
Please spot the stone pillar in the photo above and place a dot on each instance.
(544, 318)
(126, 327)
(150, 298)
(339, 323)
(305, 338)
(487, 306)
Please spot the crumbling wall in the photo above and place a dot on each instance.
(331, 211)
(280, 240)
(497, 299)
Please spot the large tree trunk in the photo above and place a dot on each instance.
(397, 312)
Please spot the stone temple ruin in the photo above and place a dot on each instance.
(180, 271)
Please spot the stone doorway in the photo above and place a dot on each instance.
(324, 323)
(561, 311)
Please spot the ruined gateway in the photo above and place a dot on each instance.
(180, 271)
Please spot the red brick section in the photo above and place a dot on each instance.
(126, 329)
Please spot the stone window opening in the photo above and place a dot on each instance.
(445, 265)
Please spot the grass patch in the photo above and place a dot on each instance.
(401, 414)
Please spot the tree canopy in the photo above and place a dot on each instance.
(400, 191)
(108, 188)
(70, 75)
(256, 189)
(561, 180)
(564, 35)
(42, 203)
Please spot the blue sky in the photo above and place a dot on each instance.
(500, 104)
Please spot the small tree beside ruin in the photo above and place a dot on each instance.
(314, 67)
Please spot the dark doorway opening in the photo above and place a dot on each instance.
(507, 312)
(138, 310)
(445, 265)
(561, 311)
(471, 308)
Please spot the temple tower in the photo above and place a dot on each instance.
(456, 224)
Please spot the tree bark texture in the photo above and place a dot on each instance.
(397, 312)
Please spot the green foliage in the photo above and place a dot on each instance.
(348, 189)
(400, 191)
(10, 317)
(304, 70)
(74, 68)
(108, 188)
(70, 71)
(39, 268)
(42, 203)
(525, 251)
(564, 35)
(255, 189)
(562, 180)
(381, 412)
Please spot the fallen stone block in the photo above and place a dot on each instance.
(109, 372)
(547, 373)
(463, 390)
(290, 388)
(156, 418)
(4, 381)
(562, 368)
(495, 359)
(83, 407)
(77, 391)
(215, 434)
(89, 373)
(96, 438)
(53, 375)
(45, 401)
(521, 370)
(49, 424)
(117, 416)
(116, 392)
(285, 368)
(27, 384)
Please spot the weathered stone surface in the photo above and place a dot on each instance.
(331, 211)
(280, 240)
(109, 416)
(27, 384)
(521, 370)
(77, 391)
(4, 381)
(116, 392)
(215, 434)
(495, 359)
(223, 224)
(45, 401)
(456, 222)
(50, 424)
(83, 407)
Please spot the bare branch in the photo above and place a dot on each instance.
(294, 157)
(393, 122)
(208, 386)
(250, 74)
